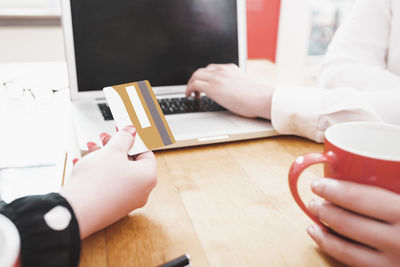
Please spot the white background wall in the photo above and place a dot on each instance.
(28, 34)
(293, 61)
(30, 31)
(29, 4)
(31, 43)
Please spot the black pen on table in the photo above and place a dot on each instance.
(182, 261)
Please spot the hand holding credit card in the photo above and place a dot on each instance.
(135, 104)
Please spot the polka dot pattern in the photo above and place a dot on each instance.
(58, 218)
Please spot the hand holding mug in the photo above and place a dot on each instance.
(366, 214)
(362, 202)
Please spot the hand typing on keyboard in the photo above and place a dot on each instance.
(230, 87)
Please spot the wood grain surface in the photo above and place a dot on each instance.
(225, 205)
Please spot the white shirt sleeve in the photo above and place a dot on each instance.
(357, 56)
(9, 242)
(308, 112)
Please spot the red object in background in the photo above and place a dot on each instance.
(262, 28)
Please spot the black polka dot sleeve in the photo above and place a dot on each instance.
(48, 230)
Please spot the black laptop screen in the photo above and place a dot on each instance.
(162, 41)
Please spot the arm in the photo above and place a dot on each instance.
(9, 241)
(357, 56)
(109, 179)
(310, 111)
(50, 226)
(293, 110)
(47, 229)
(366, 214)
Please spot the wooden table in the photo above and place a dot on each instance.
(225, 205)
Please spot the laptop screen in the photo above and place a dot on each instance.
(162, 41)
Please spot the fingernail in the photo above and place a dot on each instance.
(90, 144)
(320, 185)
(313, 206)
(74, 161)
(116, 128)
(104, 135)
(314, 231)
(131, 130)
(317, 185)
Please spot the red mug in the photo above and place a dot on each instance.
(362, 152)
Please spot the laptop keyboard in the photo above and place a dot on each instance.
(175, 106)
(105, 111)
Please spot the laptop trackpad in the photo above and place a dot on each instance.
(201, 124)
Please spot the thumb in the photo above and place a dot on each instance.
(123, 140)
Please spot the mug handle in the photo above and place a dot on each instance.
(298, 167)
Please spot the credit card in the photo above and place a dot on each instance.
(136, 104)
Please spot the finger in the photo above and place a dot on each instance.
(192, 79)
(123, 140)
(219, 67)
(92, 146)
(358, 228)
(346, 252)
(197, 86)
(146, 159)
(146, 163)
(367, 200)
(215, 67)
(105, 138)
(202, 75)
(146, 156)
(232, 65)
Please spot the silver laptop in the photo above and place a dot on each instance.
(115, 42)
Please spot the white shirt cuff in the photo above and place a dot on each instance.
(295, 111)
(9, 242)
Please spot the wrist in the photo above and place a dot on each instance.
(47, 227)
(74, 202)
(265, 104)
(85, 204)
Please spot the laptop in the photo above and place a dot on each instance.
(115, 42)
